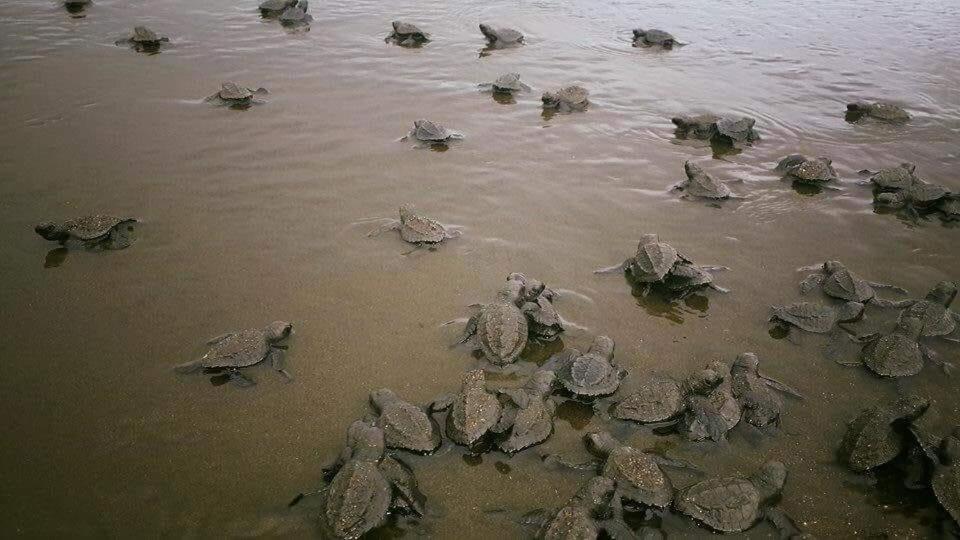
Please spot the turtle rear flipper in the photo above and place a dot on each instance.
(189, 367)
(277, 357)
(622, 267)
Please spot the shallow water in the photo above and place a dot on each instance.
(251, 216)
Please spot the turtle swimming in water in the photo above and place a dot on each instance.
(878, 433)
(815, 318)
(837, 281)
(894, 178)
(500, 330)
(473, 412)
(803, 170)
(234, 351)
(661, 398)
(934, 311)
(407, 35)
(432, 133)
(508, 83)
(98, 230)
(727, 130)
(275, 7)
(501, 37)
(653, 38)
(919, 197)
(659, 262)
(732, 504)
(527, 417)
(417, 229)
(590, 374)
(881, 110)
(296, 15)
(144, 40)
(701, 184)
(754, 391)
(404, 425)
(898, 353)
(566, 99)
(236, 96)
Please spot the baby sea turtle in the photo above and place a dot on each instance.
(432, 133)
(234, 95)
(895, 178)
(816, 318)
(754, 391)
(94, 230)
(367, 485)
(501, 37)
(500, 329)
(543, 321)
(508, 83)
(144, 39)
(919, 196)
(636, 474)
(732, 504)
(800, 169)
(417, 229)
(474, 410)
(591, 374)
(653, 37)
(839, 282)
(296, 15)
(686, 278)
(701, 184)
(566, 99)
(950, 208)
(276, 7)
(881, 110)
(723, 130)
(584, 516)
(231, 352)
(897, 354)
(877, 434)
(944, 456)
(934, 311)
(651, 263)
(407, 34)
(405, 425)
(662, 398)
(528, 414)
(700, 126)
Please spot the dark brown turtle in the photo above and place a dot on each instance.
(661, 398)
(878, 433)
(944, 457)
(585, 516)
(798, 168)
(701, 184)
(275, 7)
(407, 35)
(700, 126)
(405, 426)
(90, 230)
(474, 410)
(417, 229)
(296, 15)
(508, 83)
(528, 413)
(934, 311)
(919, 197)
(839, 282)
(143, 39)
(732, 504)
(651, 263)
(543, 321)
(654, 38)
(898, 353)
(894, 178)
(711, 415)
(760, 405)
(882, 110)
(234, 351)
(590, 374)
(500, 329)
(566, 99)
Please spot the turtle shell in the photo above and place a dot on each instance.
(276, 5)
(701, 184)
(418, 229)
(573, 95)
(358, 499)
(702, 126)
(296, 14)
(501, 332)
(532, 425)
(654, 37)
(657, 399)
(242, 349)
(936, 318)
(925, 193)
(684, 276)
(870, 440)
(408, 427)
(92, 227)
(846, 285)
(899, 177)
(652, 261)
(946, 487)
(142, 34)
(590, 375)
(893, 355)
(404, 29)
(501, 35)
(723, 504)
(234, 92)
(569, 523)
(509, 82)
(808, 316)
(738, 129)
(814, 171)
(425, 130)
(638, 477)
(544, 321)
(888, 112)
(474, 411)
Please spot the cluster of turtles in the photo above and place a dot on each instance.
(369, 481)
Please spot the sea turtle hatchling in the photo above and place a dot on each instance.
(144, 39)
(234, 351)
(881, 110)
(701, 184)
(754, 391)
(944, 457)
(686, 278)
(894, 178)
(417, 229)
(527, 417)
(543, 321)
(275, 7)
(296, 15)
(590, 374)
(566, 99)
(732, 504)
(585, 516)
(508, 83)
(919, 197)
(405, 426)
(898, 353)
(878, 434)
(934, 311)
(474, 410)
(90, 231)
(651, 262)
(432, 132)
(407, 35)
(799, 168)
(837, 281)
(500, 330)
(235, 95)
(653, 38)
(815, 318)
(709, 416)
(501, 37)
(660, 398)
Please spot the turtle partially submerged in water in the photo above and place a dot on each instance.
(919, 197)
(417, 229)
(275, 7)
(898, 353)
(837, 281)
(235, 95)
(661, 398)
(934, 311)
(721, 129)
(405, 426)
(508, 83)
(432, 133)
(543, 320)
(653, 38)
(711, 415)
(144, 39)
(98, 230)
(296, 15)
(527, 417)
(500, 329)
(754, 391)
(590, 374)
(816, 318)
(585, 516)
(894, 178)
(234, 351)
(878, 434)
(881, 110)
(799, 168)
(501, 37)
(701, 184)
(944, 458)
(659, 262)
(407, 35)
(566, 99)
(732, 504)
(473, 412)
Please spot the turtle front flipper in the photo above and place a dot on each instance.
(622, 267)
(391, 225)
(277, 358)
(469, 331)
(551, 459)
(780, 387)
(189, 367)
(891, 304)
(895, 288)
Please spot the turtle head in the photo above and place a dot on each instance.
(603, 346)
(51, 230)
(601, 443)
(650, 238)
(832, 266)
(858, 106)
(278, 331)
(747, 361)
(382, 397)
(365, 441)
(682, 122)
(910, 407)
(692, 169)
(486, 30)
(910, 167)
(944, 293)
(406, 210)
(769, 480)
(850, 311)
(639, 33)
(303, 5)
(396, 25)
